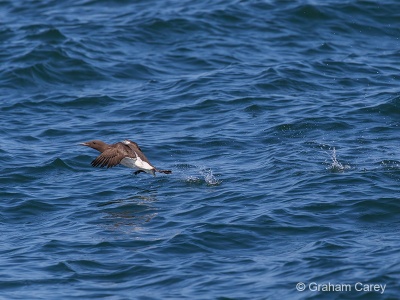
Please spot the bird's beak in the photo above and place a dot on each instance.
(83, 144)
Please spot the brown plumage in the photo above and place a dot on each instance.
(127, 153)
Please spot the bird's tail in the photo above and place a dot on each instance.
(164, 171)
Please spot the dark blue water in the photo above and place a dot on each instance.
(279, 119)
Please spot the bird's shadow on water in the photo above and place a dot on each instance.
(129, 204)
(128, 214)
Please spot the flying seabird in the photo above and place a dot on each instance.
(126, 153)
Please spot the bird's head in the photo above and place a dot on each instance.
(95, 144)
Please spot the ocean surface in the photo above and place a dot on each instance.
(280, 121)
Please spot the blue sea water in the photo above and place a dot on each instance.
(279, 119)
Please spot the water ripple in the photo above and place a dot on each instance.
(278, 120)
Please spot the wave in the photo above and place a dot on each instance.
(47, 65)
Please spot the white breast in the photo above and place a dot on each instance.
(137, 163)
(140, 164)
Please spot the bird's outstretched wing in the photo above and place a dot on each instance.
(111, 157)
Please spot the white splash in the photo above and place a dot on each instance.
(203, 175)
(336, 166)
(209, 177)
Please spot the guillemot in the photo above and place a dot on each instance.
(126, 153)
